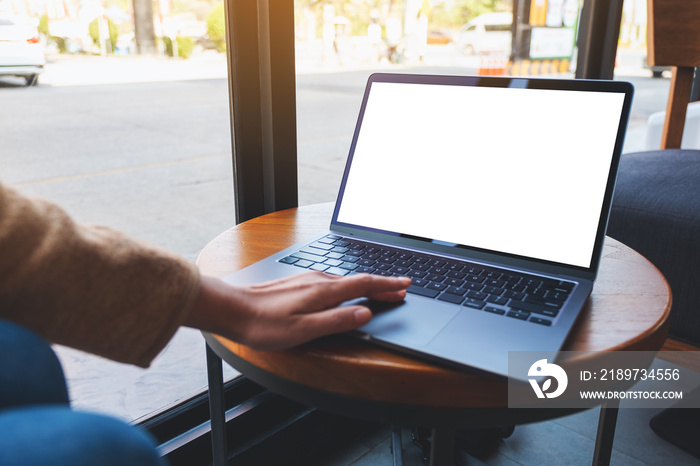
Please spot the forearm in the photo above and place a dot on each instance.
(89, 287)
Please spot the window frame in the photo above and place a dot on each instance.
(262, 104)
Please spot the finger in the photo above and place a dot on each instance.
(390, 296)
(372, 286)
(336, 320)
(306, 277)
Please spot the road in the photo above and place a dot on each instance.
(146, 147)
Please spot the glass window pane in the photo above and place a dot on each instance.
(140, 143)
(651, 84)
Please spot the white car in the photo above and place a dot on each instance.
(489, 33)
(21, 50)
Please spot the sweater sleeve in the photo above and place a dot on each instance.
(89, 287)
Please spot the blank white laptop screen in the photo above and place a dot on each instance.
(518, 171)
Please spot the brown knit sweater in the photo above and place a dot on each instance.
(89, 287)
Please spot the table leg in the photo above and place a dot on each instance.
(442, 446)
(217, 411)
(396, 445)
(606, 433)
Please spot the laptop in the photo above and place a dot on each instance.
(491, 193)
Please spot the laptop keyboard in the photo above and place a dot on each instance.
(516, 295)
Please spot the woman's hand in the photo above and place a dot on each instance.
(290, 311)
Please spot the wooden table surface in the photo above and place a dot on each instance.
(628, 310)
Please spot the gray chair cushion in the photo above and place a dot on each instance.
(656, 211)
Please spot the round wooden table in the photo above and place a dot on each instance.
(628, 310)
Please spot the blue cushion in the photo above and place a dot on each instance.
(656, 211)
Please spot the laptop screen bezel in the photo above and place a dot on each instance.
(473, 253)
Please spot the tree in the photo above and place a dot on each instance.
(144, 32)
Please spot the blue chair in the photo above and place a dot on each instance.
(38, 426)
(656, 207)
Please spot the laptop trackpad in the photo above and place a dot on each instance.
(414, 321)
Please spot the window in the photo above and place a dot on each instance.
(138, 143)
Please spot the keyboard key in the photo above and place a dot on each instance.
(537, 309)
(543, 302)
(315, 251)
(303, 263)
(514, 295)
(500, 300)
(494, 310)
(518, 315)
(348, 266)
(456, 290)
(319, 267)
(451, 298)
(336, 271)
(332, 262)
(436, 286)
(420, 266)
(564, 286)
(289, 260)
(454, 281)
(309, 257)
(492, 290)
(477, 295)
(474, 286)
(321, 245)
(475, 303)
(540, 321)
(557, 296)
(399, 270)
(419, 290)
(419, 281)
(416, 273)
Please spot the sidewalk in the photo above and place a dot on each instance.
(75, 70)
